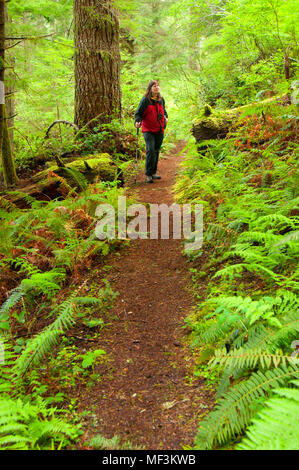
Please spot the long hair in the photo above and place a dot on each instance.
(148, 93)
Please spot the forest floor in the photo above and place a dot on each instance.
(147, 394)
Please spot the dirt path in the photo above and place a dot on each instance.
(146, 395)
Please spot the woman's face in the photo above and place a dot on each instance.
(155, 88)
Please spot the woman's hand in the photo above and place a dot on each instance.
(137, 125)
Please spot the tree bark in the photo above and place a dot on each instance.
(9, 170)
(10, 83)
(286, 67)
(2, 55)
(97, 61)
(155, 53)
(8, 165)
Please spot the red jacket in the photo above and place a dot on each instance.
(152, 115)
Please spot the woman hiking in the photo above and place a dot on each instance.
(152, 117)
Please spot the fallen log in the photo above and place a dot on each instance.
(91, 168)
(52, 188)
(215, 124)
(59, 181)
(212, 124)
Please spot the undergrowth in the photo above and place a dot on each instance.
(49, 252)
(246, 278)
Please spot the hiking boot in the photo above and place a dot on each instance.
(149, 179)
(156, 177)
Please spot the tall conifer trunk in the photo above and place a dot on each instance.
(10, 83)
(155, 53)
(2, 53)
(97, 61)
(8, 165)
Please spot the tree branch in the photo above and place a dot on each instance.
(29, 38)
(10, 47)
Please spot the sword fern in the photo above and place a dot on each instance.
(274, 428)
(39, 346)
(237, 407)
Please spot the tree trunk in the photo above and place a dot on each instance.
(155, 53)
(286, 67)
(97, 61)
(8, 165)
(10, 82)
(2, 54)
(9, 170)
(10, 104)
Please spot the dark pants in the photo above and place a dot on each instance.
(153, 144)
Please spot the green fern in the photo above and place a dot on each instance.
(276, 426)
(256, 330)
(7, 360)
(237, 407)
(231, 271)
(27, 426)
(15, 296)
(254, 234)
(44, 282)
(279, 312)
(273, 338)
(38, 347)
(74, 176)
(288, 238)
(276, 221)
(22, 265)
(36, 284)
(244, 358)
(216, 331)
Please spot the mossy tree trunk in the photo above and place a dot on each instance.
(10, 80)
(9, 171)
(97, 61)
(2, 55)
(215, 124)
(8, 163)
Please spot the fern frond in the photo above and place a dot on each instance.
(24, 425)
(74, 176)
(38, 347)
(289, 237)
(215, 332)
(235, 410)
(245, 358)
(24, 266)
(260, 237)
(238, 268)
(15, 296)
(273, 338)
(87, 300)
(276, 426)
(43, 282)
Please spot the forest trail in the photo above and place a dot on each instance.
(146, 395)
